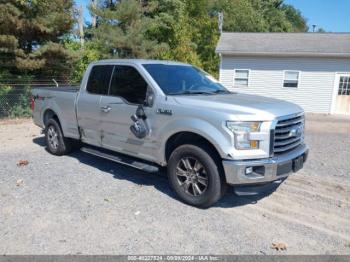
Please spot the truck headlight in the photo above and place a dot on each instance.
(241, 131)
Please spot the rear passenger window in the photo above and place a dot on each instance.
(128, 84)
(100, 76)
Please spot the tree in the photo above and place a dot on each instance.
(31, 33)
(260, 16)
(122, 28)
(90, 52)
(205, 33)
(241, 15)
(294, 16)
(183, 30)
(321, 30)
(173, 27)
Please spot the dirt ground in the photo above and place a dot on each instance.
(80, 204)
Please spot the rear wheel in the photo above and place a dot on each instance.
(56, 143)
(195, 175)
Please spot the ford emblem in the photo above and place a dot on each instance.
(296, 132)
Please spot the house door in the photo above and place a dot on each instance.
(342, 103)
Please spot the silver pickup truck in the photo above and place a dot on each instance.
(150, 114)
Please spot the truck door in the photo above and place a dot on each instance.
(89, 112)
(127, 91)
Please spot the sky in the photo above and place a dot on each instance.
(86, 12)
(331, 15)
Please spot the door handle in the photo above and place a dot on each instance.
(106, 109)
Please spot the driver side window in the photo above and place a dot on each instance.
(129, 84)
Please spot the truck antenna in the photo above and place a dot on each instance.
(53, 79)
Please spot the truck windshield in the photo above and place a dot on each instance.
(184, 79)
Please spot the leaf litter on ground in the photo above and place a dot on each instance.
(19, 182)
(22, 163)
(279, 246)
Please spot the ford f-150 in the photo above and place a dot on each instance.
(150, 114)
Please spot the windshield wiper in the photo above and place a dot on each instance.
(201, 92)
(221, 91)
(188, 92)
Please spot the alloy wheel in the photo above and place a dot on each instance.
(52, 137)
(192, 176)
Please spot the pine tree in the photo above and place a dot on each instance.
(31, 34)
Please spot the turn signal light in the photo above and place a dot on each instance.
(254, 144)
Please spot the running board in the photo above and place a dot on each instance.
(121, 159)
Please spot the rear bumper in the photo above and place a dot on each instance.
(264, 170)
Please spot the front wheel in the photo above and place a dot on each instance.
(195, 175)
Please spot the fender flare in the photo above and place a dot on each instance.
(197, 126)
(50, 106)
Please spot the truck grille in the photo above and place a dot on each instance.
(289, 133)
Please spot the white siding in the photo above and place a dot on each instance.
(316, 80)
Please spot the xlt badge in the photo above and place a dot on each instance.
(164, 111)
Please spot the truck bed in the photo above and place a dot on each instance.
(61, 100)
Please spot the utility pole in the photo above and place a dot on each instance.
(220, 21)
(81, 25)
(94, 17)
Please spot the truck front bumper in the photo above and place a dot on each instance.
(262, 171)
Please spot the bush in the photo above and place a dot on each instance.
(4, 100)
(22, 106)
(15, 102)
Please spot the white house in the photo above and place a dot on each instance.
(309, 69)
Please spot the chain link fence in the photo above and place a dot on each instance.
(15, 101)
(15, 96)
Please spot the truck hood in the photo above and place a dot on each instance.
(241, 105)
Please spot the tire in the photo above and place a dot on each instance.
(56, 143)
(198, 164)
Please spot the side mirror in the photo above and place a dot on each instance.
(149, 100)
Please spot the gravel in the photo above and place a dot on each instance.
(80, 204)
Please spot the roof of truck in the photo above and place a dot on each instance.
(139, 61)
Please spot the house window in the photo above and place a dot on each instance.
(291, 79)
(241, 77)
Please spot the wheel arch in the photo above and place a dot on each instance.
(187, 137)
(50, 114)
(186, 129)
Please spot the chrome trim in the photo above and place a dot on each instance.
(286, 148)
(284, 130)
(282, 142)
(291, 122)
(281, 118)
(287, 142)
(235, 169)
(284, 137)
